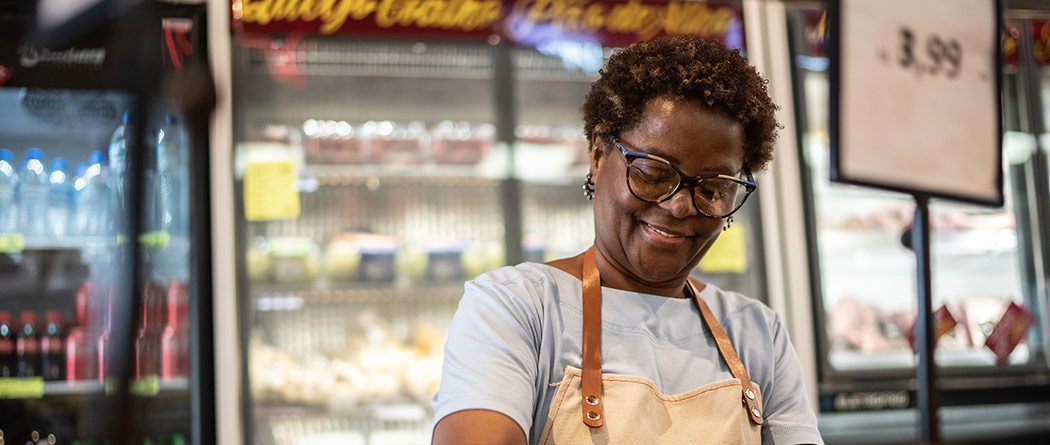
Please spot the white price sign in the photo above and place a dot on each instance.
(915, 97)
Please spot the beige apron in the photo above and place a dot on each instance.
(591, 407)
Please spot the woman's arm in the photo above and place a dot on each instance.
(478, 426)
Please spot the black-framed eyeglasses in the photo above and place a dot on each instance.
(654, 179)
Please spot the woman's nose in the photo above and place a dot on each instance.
(680, 204)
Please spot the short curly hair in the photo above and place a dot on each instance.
(683, 67)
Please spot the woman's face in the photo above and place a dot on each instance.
(655, 245)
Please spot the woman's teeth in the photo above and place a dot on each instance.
(665, 234)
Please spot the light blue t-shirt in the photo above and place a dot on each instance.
(518, 327)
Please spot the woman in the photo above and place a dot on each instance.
(543, 353)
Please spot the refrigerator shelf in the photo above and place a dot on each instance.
(281, 297)
(35, 388)
(373, 176)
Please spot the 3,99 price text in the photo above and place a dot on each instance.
(932, 55)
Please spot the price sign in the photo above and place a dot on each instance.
(915, 97)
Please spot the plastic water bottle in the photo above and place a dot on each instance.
(172, 188)
(59, 200)
(8, 187)
(78, 184)
(118, 165)
(32, 195)
(92, 198)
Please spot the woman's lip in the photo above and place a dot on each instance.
(665, 231)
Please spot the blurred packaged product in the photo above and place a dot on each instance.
(444, 260)
(461, 142)
(32, 195)
(175, 341)
(81, 350)
(258, 260)
(8, 195)
(103, 340)
(59, 200)
(331, 142)
(378, 258)
(8, 354)
(479, 258)
(27, 346)
(52, 348)
(171, 186)
(91, 196)
(294, 259)
(399, 144)
(411, 262)
(342, 258)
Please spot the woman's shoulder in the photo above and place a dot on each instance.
(533, 279)
(736, 310)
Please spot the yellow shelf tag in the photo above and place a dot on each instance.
(22, 388)
(147, 386)
(269, 191)
(12, 243)
(728, 254)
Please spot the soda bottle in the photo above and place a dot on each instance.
(147, 342)
(52, 348)
(103, 342)
(175, 346)
(32, 195)
(59, 200)
(91, 198)
(80, 351)
(8, 356)
(8, 196)
(27, 345)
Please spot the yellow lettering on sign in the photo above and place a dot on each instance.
(643, 20)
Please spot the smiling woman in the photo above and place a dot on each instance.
(619, 344)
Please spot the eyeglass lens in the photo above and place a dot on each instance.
(652, 180)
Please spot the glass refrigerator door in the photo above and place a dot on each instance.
(983, 263)
(86, 356)
(369, 189)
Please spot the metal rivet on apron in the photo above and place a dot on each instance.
(754, 411)
(750, 394)
(592, 400)
(593, 415)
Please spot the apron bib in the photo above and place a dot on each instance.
(591, 407)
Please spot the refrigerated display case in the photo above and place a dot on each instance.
(377, 169)
(986, 265)
(103, 258)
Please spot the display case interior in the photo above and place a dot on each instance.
(62, 156)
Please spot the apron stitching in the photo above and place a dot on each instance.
(666, 398)
(556, 412)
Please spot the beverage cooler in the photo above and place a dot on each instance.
(103, 259)
(989, 267)
(382, 160)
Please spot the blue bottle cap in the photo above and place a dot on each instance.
(97, 157)
(59, 164)
(5, 155)
(81, 168)
(127, 117)
(35, 153)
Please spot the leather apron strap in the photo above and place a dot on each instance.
(592, 342)
(591, 389)
(725, 347)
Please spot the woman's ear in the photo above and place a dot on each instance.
(597, 151)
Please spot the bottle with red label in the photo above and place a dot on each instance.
(8, 356)
(175, 342)
(52, 348)
(103, 343)
(27, 345)
(147, 342)
(81, 355)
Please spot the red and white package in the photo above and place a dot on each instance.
(1009, 332)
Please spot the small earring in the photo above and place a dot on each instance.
(588, 188)
(729, 223)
